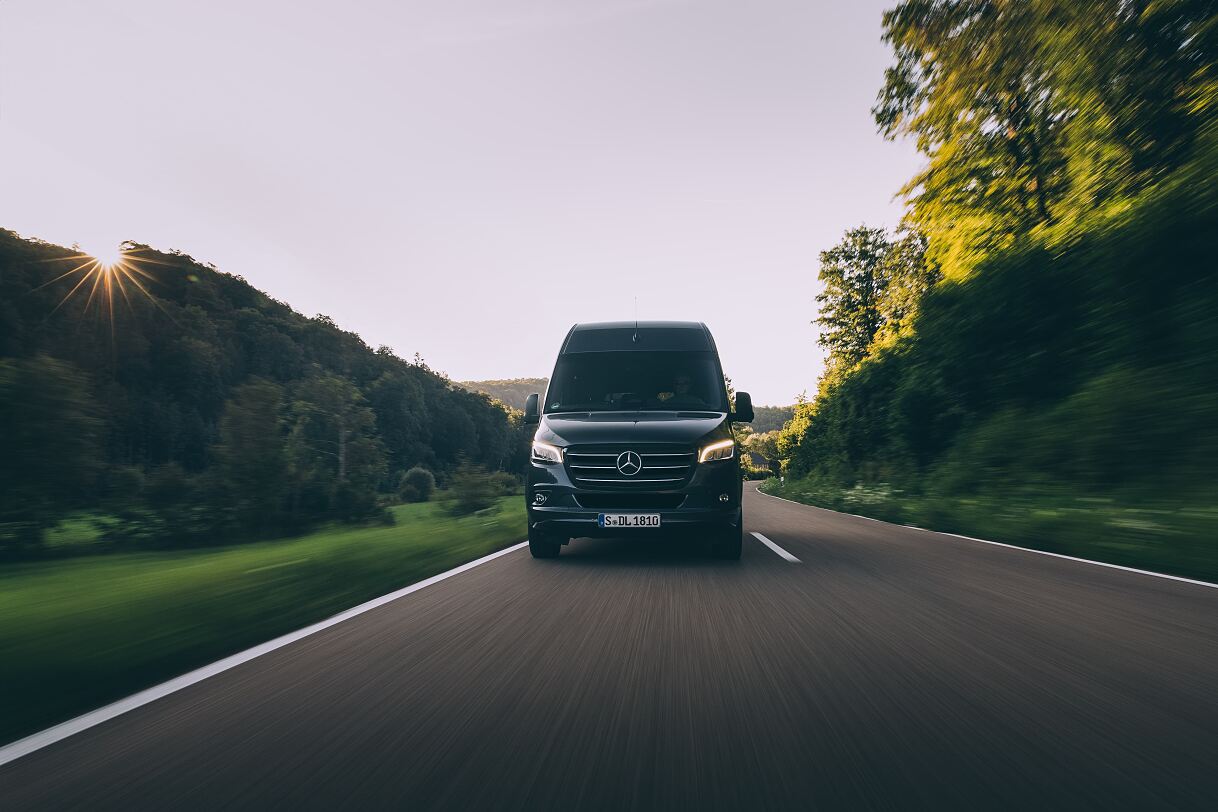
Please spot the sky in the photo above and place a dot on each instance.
(467, 178)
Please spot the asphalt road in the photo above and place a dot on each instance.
(890, 668)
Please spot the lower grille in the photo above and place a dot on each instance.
(661, 467)
(630, 501)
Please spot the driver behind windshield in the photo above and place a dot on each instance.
(681, 394)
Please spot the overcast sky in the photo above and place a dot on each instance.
(466, 178)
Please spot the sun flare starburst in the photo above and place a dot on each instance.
(100, 272)
(106, 256)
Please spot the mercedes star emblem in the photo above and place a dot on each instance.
(629, 463)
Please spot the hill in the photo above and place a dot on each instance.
(186, 403)
(770, 418)
(512, 391)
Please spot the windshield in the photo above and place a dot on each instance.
(636, 381)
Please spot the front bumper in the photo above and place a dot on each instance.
(567, 512)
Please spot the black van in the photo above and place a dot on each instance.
(634, 438)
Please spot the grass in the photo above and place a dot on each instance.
(75, 533)
(1177, 537)
(77, 633)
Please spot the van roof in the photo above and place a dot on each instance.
(617, 336)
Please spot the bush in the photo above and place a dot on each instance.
(504, 483)
(123, 484)
(417, 485)
(471, 488)
(168, 486)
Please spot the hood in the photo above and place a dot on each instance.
(581, 428)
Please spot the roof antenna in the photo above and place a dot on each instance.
(635, 337)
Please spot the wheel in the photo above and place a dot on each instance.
(727, 543)
(543, 545)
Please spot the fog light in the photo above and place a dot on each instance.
(723, 497)
(539, 498)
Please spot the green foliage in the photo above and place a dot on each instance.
(765, 444)
(251, 460)
(335, 457)
(1056, 388)
(49, 445)
(470, 489)
(417, 485)
(1032, 114)
(769, 418)
(276, 421)
(852, 273)
(872, 284)
(1082, 370)
(403, 418)
(504, 484)
(1146, 530)
(791, 436)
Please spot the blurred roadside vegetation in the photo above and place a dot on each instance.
(474, 489)
(1172, 536)
(200, 411)
(75, 634)
(1033, 356)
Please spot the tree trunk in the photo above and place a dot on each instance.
(342, 452)
(1038, 172)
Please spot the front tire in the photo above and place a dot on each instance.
(728, 543)
(543, 545)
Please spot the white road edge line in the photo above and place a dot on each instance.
(1011, 546)
(45, 738)
(781, 552)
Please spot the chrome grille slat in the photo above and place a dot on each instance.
(630, 481)
(663, 466)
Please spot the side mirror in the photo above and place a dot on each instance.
(531, 412)
(744, 408)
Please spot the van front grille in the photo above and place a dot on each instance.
(662, 467)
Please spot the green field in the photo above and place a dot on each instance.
(80, 632)
(1172, 537)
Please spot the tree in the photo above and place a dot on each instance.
(968, 84)
(402, 419)
(1140, 76)
(336, 456)
(854, 274)
(49, 447)
(250, 457)
(873, 284)
(164, 369)
(909, 274)
(1031, 114)
(790, 439)
(765, 444)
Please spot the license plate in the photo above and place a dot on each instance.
(628, 520)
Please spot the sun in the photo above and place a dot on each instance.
(108, 257)
(99, 272)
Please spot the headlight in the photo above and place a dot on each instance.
(546, 453)
(722, 450)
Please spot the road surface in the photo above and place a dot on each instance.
(888, 668)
